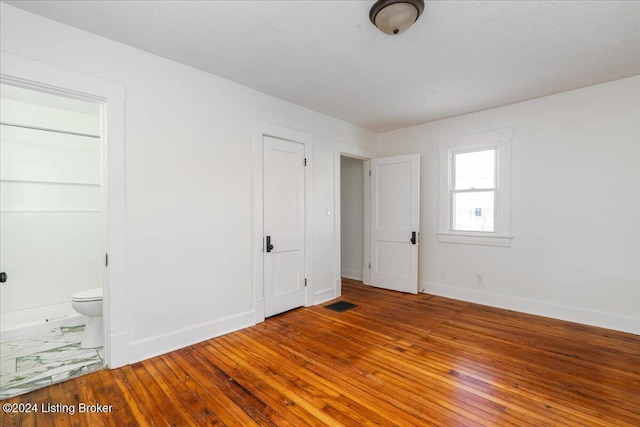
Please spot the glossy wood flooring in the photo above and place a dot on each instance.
(394, 360)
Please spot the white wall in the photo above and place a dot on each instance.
(50, 207)
(352, 217)
(188, 179)
(575, 208)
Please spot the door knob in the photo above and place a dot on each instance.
(269, 245)
(3, 277)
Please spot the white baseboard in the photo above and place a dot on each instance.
(118, 350)
(351, 274)
(541, 308)
(161, 344)
(260, 312)
(324, 296)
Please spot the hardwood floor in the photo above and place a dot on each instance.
(394, 360)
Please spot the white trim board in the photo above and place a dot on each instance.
(351, 273)
(165, 343)
(540, 308)
(324, 296)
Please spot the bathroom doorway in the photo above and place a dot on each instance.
(52, 215)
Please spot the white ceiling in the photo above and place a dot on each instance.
(461, 56)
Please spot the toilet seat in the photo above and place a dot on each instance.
(88, 296)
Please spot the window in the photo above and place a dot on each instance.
(473, 190)
(475, 175)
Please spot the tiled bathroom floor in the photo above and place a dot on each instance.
(38, 359)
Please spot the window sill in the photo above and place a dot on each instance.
(475, 239)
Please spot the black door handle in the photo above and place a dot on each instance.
(413, 237)
(3, 277)
(269, 245)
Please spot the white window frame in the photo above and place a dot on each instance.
(500, 140)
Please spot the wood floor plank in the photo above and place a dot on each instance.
(323, 392)
(395, 359)
(418, 374)
(103, 387)
(282, 410)
(132, 391)
(231, 403)
(296, 394)
(361, 366)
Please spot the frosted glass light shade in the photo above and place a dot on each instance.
(395, 16)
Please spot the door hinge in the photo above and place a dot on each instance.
(369, 172)
(369, 266)
(106, 260)
(305, 282)
(305, 161)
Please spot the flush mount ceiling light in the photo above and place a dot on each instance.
(395, 16)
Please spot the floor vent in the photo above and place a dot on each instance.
(340, 306)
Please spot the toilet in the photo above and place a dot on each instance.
(89, 303)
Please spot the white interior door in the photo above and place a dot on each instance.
(283, 166)
(395, 222)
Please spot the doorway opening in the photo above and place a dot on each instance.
(355, 160)
(391, 219)
(52, 216)
(352, 218)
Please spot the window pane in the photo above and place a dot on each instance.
(475, 170)
(473, 211)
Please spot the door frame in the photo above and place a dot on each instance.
(348, 150)
(39, 76)
(259, 129)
